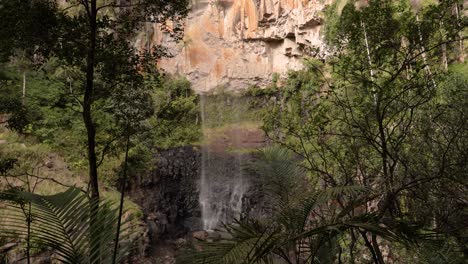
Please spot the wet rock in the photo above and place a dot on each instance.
(200, 235)
(168, 195)
(214, 235)
(193, 223)
(180, 243)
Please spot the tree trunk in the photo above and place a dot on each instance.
(28, 234)
(369, 60)
(444, 52)
(122, 195)
(461, 54)
(95, 252)
(444, 57)
(376, 247)
(87, 103)
(423, 54)
(24, 84)
(351, 248)
(370, 247)
(368, 51)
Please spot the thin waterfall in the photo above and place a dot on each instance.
(239, 185)
(222, 185)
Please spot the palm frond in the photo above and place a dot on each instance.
(78, 229)
(299, 217)
(278, 173)
(250, 242)
(442, 254)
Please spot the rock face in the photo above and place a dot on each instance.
(238, 43)
(169, 198)
(168, 195)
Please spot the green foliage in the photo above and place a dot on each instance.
(332, 18)
(222, 108)
(94, 42)
(47, 112)
(278, 175)
(436, 254)
(20, 116)
(62, 222)
(382, 115)
(294, 236)
(176, 121)
(34, 25)
(56, 119)
(165, 112)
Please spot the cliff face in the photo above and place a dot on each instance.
(238, 43)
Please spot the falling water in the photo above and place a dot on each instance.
(222, 184)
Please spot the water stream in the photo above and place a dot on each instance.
(222, 184)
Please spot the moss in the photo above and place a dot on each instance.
(130, 207)
(227, 108)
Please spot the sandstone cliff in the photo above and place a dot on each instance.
(238, 43)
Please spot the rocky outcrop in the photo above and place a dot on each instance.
(168, 195)
(238, 43)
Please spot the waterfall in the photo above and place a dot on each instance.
(222, 184)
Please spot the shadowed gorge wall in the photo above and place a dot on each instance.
(238, 43)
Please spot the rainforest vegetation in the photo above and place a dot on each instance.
(367, 157)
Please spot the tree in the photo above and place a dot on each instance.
(27, 28)
(108, 47)
(93, 40)
(20, 30)
(359, 119)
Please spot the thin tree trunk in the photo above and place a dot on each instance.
(369, 60)
(444, 57)
(461, 54)
(122, 195)
(28, 221)
(95, 245)
(24, 84)
(444, 52)
(369, 246)
(427, 68)
(366, 41)
(28, 238)
(351, 248)
(376, 247)
(384, 150)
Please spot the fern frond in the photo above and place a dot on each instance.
(78, 229)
